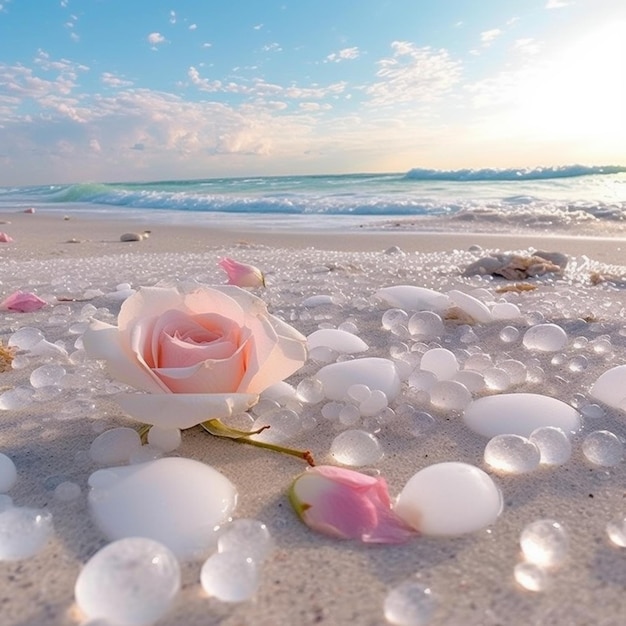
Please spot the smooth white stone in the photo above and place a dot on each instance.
(319, 300)
(175, 501)
(50, 374)
(409, 604)
(114, 446)
(519, 414)
(470, 305)
(604, 448)
(505, 311)
(130, 582)
(279, 392)
(616, 531)
(23, 532)
(230, 577)
(450, 394)
(610, 387)
(412, 298)
(449, 499)
(165, 439)
(473, 381)
(67, 491)
(338, 340)
(374, 372)
(545, 338)
(426, 325)
(25, 338)
(8, 473)
(441, 362)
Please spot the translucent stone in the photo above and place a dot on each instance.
(473, 381)
(47, 375)
(545, 338)
(449, 499)
(67, 491)
(229, 577)
(426, 325)
(16, 399)
(578, 363)
(23, 532)
(441, 362)
(422, 381)
(509, 334)
(450, 394)
(413, 298)
(310, 390)
(602, 447)
(132, 582)
(515, 369)
(544, 543)
(519, 414)
(25, 338)
(374, 372)
(554, 445)
(512, 454)
(114, 446)
(8, 473)
(331, 410)
(359, 393)
(592, 411)
(340, 341)
(249, 537)
(409, 604)
(394, 318)
(322, 354)
(375, 403)
(616, 530)
(602, 346)
(283, 424)
(349, 415)
(144, 454)
(470, 305)
(175, 501)
(531, 576)
(478, 362)
(165, 439)
(497, 379)
(419, 423)
(356, 448)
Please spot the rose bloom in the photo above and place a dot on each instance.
(201, 354)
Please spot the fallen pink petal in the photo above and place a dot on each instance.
(242, 274)
(346, 504)
(5, 238)
(23, 302)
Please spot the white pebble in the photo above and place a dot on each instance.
(67, 491)
(616, 530)
(230, 577)
(356, 448)
(250, 537)
(131, 582)
(554, 445)
(165, 439)
(545, 338)
(545, 543)
(512, 454)
(23, 532)
(604, 448)
(409, 604)
(441, 362)
(8, 473)
(450, 394)
(114, 446)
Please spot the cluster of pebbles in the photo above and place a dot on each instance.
(491, 411)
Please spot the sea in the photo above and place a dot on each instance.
(569, 198)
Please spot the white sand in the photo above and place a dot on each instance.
(311, 579)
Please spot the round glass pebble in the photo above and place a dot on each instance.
(356, 448)
(249, 537)
(509, 334)
(114, 446)
(409, 604)
(8, 473)
(426, 325)
(531, 576)
(25, 338)
(67, 491)
(602, 447)
(544, 543)
(130, 581)
(310, 390)
(554, 445)
(450, 394)
(229, 576)
(165, 439)
(47, 375)
(545, 338)
(513, 454)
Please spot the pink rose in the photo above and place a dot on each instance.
(200, 355)
(242, 274)
(346, 504)
(22, 301)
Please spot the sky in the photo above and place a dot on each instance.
(139, 90)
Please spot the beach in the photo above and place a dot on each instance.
(310, 578)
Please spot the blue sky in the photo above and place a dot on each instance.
(121, 90)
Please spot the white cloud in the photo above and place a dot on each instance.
(172, 17)
(206, 44)
(111, 80)
(155, 39)
(556, 4)
(193, 26)
(343, 55)
(257, 27)
(527, 46)
(413, 74)
(272, 47)
(487, 37)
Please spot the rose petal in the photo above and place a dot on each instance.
(183, 410)
(103, 341)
